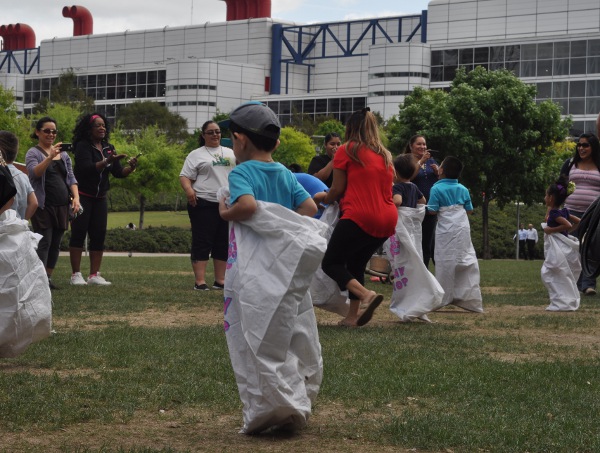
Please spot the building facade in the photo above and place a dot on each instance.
(325, 69)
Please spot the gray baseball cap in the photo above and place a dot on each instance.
(255, 117)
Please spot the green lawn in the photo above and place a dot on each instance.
(142, 366)
(151, 219)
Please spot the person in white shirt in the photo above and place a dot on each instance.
(522, 236)
(532, 238)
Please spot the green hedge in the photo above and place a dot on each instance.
(148, 240)
(502, 228)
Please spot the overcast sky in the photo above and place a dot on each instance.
(46, 19)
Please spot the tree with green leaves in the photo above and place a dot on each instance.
(492, 123)
(142, 114)
(12, 121)
(66, 92)
(158, 166)
(295, 148)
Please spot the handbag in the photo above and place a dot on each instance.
(7, 186)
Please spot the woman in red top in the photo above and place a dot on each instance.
(363, 175)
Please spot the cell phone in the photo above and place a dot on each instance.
(433, 151)
(68, 147)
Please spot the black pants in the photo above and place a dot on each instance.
(531, 248)
(348, 252)
(523, 249)
(428, 238)
(210, 233)
(92, 222)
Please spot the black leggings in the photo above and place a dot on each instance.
(348, 252)
(210, 233)
(92, 221)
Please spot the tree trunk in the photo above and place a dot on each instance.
(487, 255)
(142, 209)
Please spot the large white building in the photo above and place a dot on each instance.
(329, 68)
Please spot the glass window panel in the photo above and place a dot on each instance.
(274, 105)
(576, 106)
(482, 55)
(544, 68)
(465, 56)
(562, 49)
(593, 65)
(496, 66)
(309, 106)
(593, 47)
(545, 50)
(28, 85)
(140, 91)
(513, 66)
(321, 106)
(285, 107)
(577, 128)
(561, 66)
(162, 76)
(527, 69)
(528, 51)
(111, 93)
(577, 66)
(141, 78)
(577, 89)
(593, 88)
(121, 79)
(592, 106)
(346, 105)
(28, 97)
(359, 103)
(437, 58)
(449, 73)
(296, 106)
(334, 105)
(101, 93)
(37, 84)
(513, 53)
(563, 104)
(344, 117)
(544, 90)
(91, 81)
(578, 48)
(151, 91)
(160, 88)
(101, 80)
(450, 57)
(111, 80)
(120, 92)
(45, 84)
(130, 93)
(152, 77)
(131, 77)
(560, 90)
(81, 81)
(497, 54)
(437, 73)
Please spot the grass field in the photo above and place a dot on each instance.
(151, 219)
(142, 366)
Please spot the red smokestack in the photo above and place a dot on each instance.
(17, 36)
(247, 9)
(83, 22)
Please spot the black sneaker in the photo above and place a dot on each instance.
(52, 285)
(218, 286)
(202, 287)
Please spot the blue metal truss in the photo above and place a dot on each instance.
(303, 52)
(8, 59)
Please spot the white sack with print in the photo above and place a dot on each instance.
(416, 291)
(456, 266)
(324, 291)
(270, 323)
(561, 270)
(25, 301)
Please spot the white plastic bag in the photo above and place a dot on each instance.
(25, 300)
(324, 290)
(561, 270)
(416, 291)
(456, 266)
(270, 323)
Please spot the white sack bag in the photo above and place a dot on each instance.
(416, 292)
(25, 300)
(561, 270)
(270, 324)
(456, 266)
(324, 291)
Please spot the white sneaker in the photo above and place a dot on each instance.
(98, 280)
(77, 279)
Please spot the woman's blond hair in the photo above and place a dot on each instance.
(362, 130)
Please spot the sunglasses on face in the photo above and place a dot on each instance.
(212, 132)
(583, 145)
(50, 131)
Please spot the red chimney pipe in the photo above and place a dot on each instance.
(247, 9)
(83, 22)
(231, 9)
(17, 36)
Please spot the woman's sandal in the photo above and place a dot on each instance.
(366, 315)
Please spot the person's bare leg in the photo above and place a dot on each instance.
(366, 297)
(95, 261)
(220, 267)
(199, 268)
(75, 258)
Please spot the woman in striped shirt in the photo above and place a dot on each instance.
(584, 170)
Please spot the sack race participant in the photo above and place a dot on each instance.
(25, 302)
(270, 323)
(324, 291)
(561, 270)
(416, 291)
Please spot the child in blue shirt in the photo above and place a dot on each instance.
(456, 266)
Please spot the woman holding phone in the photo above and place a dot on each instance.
(51, 175)
(425, 179)
(95, 160)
